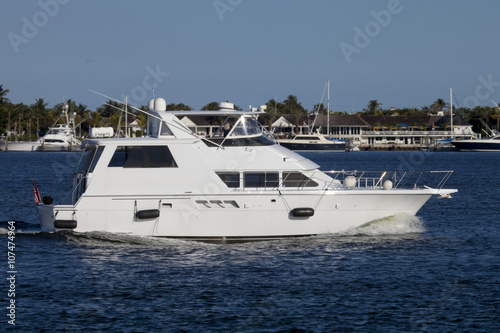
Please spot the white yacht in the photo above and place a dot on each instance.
(237, 184)
(313, 142)
(60, 137)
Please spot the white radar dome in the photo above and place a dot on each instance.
(151, 105)
(160, 104)
(350, 181)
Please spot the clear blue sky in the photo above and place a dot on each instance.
(402, 53)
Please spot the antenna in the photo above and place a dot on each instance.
(496, 105)
(153, 88)
(133, 107)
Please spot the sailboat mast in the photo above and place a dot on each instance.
(328, 111)
(451, 112)
(126, 132)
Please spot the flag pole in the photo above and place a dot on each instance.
(36, 193)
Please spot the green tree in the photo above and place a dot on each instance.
(4, 110)
(3, 93)
(110, 108)
(293, 107)
(178, 107)
(320, 109)
(437, 106)
(373, 108)
(272, 112)
(212, 106)
(39, 106)
(143, 122)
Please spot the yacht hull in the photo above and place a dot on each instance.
(313, 146)
(243, 216)
(37, 147)
(477, 145)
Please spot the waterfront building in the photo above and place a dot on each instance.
(377, 132)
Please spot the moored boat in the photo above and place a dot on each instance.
(236, 184)
(489, 144)
(313, 142)
(59, 138)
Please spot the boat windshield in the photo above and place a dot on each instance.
(237, 127)
(240, 131)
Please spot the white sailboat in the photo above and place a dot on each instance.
(315, 141)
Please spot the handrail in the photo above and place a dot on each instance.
(77, 180)
(399, 179)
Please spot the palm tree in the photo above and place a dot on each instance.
(373, 107)
(272, 111)
(437, 106)
(178, 107)
(4, 100)
(319, 108)
(293, 107)
(143, 122)
(440, 103)
(39, 107)
(3, 93)
(212, 106)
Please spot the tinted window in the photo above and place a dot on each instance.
(96, 158)
(231, 179)
(261, 179)
(86, 160)
(142, 157)
(297, 179)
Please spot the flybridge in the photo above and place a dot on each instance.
(240, 128)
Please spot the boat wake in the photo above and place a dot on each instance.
(19, 227)
(399, 224)
(103, 238)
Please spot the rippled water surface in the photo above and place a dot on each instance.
(437, 272)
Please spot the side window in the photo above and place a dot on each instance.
(165, 130)
(142, 157)
(261, 179)
(119, 157)
(88, 155)
(231, 179)
(297, 179)
(90, 159)
(96, 158)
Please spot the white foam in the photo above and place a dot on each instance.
(399, 224)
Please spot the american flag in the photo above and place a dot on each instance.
(36, 193)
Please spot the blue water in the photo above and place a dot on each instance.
(438, 272)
